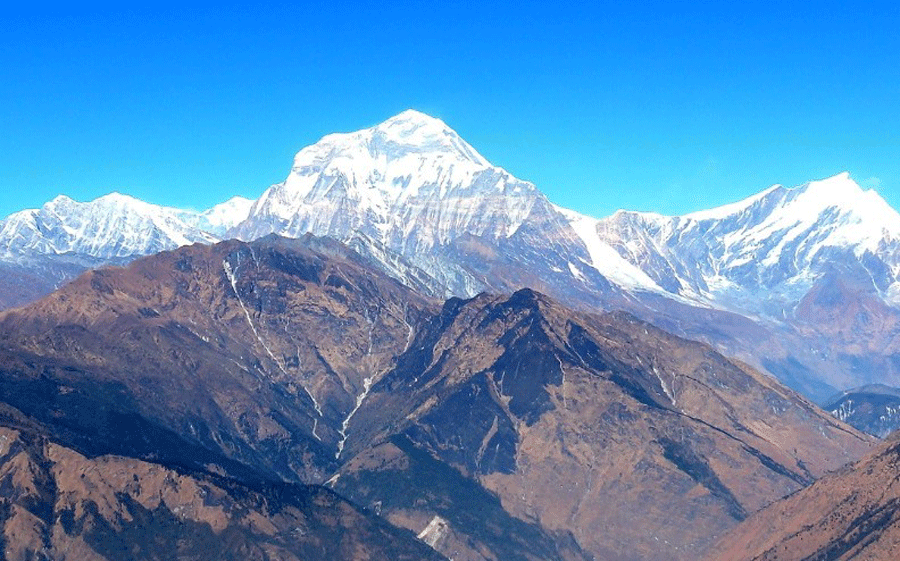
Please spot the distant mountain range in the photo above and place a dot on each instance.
(802, 282)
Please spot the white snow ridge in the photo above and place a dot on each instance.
(413, 196)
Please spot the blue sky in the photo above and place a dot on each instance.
(663, 106)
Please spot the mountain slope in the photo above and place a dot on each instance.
(851, 514)
(255, 351)
(516, 428)
(247, 360)
(59, 504)
(639, 443)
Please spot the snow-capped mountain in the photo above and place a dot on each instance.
(112, 227)
(221, 218)
(414, 187)
(411, 184)
(411, 196)
(410, 189)
(763, 254)
(40, 249)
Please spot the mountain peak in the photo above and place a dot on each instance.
(842, 193)
(223, 216)
(410, 135)
(400, 182)
(412, 118)
(60, 200)
(414, 132)
(810, 198)
(840, 185)
(119, 199)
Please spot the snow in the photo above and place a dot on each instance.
(861, 217)
(618, 269)
(845, 410)
(224, 216)
(345, 425)
(604, 258)
(762, 254)
(410, 187)
(575, 272)
(434, 531)
(670, 393)
(724, 211)
(111, 226)
(892, 294)
(410, 183)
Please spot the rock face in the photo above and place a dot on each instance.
(873, 409)
(498, 427)
(851, 514)
(571, 420)
(59, 504)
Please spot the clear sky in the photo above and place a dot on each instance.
(665, 106)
